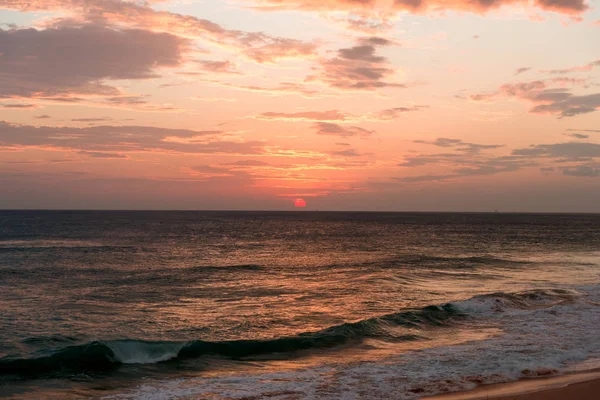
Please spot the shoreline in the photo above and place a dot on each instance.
(579, 385)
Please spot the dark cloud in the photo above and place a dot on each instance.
(578, 135)
(346, 153)
(91, 119)
(123, 139)
(468, 159)
(584, 130)
(459, 145)
(98, 154)
(357, 67)
(568, 151)
(586, 171)
(521, 70)
(570, 105)
(331, 129)
(556, 101)
(37, 63)
(19, 106)
(43, 116)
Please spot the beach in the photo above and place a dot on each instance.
(580, 386)
(588, 390)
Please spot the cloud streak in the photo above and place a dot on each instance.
(122, 139)
(568, 7)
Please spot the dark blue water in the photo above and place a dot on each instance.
(276, 305)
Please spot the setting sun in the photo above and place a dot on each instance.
(300, 203)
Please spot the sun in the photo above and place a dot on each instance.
(300, 203)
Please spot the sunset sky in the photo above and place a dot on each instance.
(450, 105)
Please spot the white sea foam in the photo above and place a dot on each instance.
(553, 337)
(136, 352)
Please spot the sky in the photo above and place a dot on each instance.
(374, 105)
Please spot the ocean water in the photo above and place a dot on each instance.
(266, 305)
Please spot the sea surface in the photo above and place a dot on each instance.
(295, 305)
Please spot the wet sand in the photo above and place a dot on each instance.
(581, 386)
(589, 390)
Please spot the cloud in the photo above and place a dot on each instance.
(587, 171)
(313, 116)
(91, 119)
(221, 67)
(372, 21)
(43, 116)
(258, 46)
(468, 159)
(570, 151)
(393, 113)
(331, 129)
(521, 70)
(249, 163)
(122, 139)
(556, 101)
(346, 153)
(207, 169)
(19, 106)
(579, 68)
(483, 97)
(570, 105)
(338, 116)
(357, 67)
(281, 88)
(424, 6)
(578, 135)
(459, 145)
(38, 64)
(98, 154)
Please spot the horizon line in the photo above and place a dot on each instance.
(299, 211)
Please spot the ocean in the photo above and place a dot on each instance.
(292, 305)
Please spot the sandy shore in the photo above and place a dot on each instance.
(581, 386)
(589, 390)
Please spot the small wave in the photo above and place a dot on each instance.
(106, 355)
(527, 300)
(47, 243)
(235, 267)
(461, 261)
